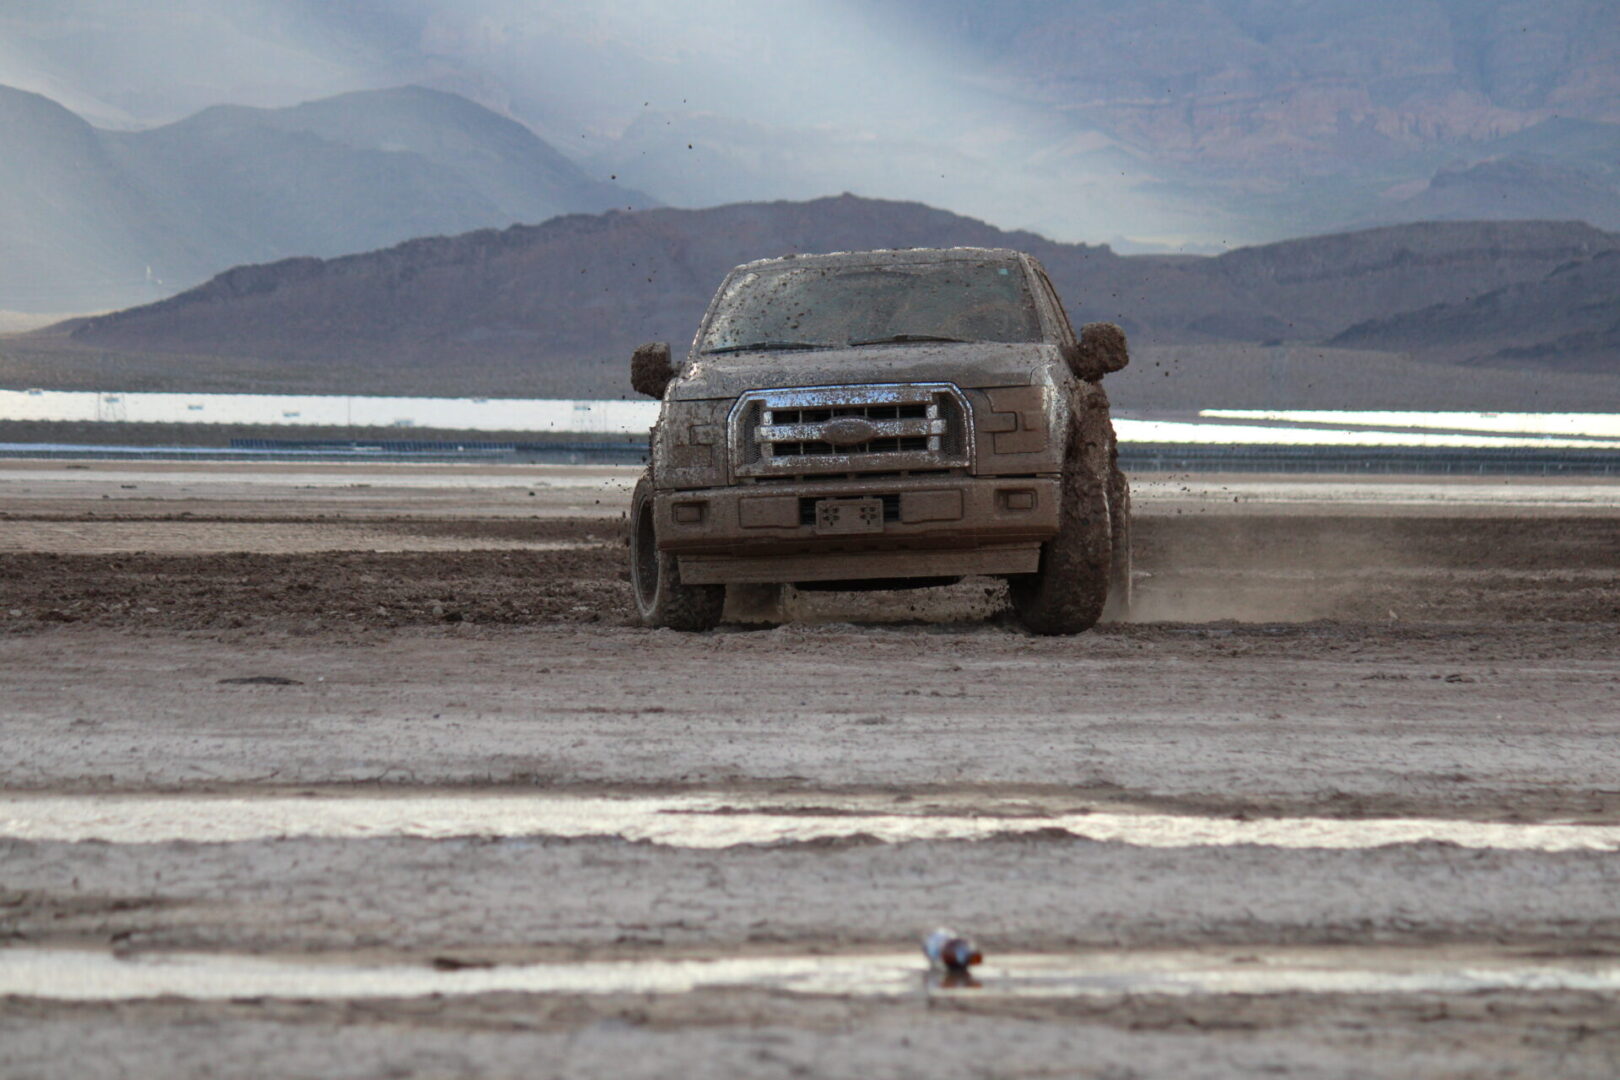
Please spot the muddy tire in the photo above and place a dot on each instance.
(1120, 590)
(655, 578)
(1067, 594)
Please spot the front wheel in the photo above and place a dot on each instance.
(655, 578)
(1067, 594)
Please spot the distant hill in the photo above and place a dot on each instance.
(1259, 120)
(1313, 288)
(554, 309)
(1513, 187)
(1568, 320)
(77, 231)
(96, 219)
(1259, 83)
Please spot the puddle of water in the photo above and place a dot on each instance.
(95, 976)
(695, 821)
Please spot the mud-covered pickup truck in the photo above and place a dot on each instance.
(884, 419)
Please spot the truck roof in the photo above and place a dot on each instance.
(887, 257)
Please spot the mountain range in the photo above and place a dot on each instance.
(1200, 124)
(93, 219)
(554, 309)
(1305, 117)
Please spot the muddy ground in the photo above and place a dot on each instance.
(1344, 650)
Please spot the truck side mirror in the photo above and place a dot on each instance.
(650, 369)
(1101, 351)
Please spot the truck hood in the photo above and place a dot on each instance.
(968, 364)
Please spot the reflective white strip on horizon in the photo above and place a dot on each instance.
(635, 418)
(312, 410)
(1583, 425)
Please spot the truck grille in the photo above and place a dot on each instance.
(849, 429)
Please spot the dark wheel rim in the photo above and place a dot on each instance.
(644, 559)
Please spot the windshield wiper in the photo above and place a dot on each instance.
(764, 346)
(901, 339)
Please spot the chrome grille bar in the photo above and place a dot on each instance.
(808, 431)
(768, 432)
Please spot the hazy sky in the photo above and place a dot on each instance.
(778, 100)
(573, 64)
(931, 100)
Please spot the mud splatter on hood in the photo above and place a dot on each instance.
(967, 365)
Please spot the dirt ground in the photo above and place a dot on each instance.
(1341, 650)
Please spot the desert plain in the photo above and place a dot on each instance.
(363, 769)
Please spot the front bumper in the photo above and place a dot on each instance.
(933, 526)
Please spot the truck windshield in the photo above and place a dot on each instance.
(799, 307)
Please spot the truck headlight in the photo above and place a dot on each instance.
(689, 447)
(1016, 419)
(1016, 431)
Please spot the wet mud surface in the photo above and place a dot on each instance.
(819, 792)
(1256, 568)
